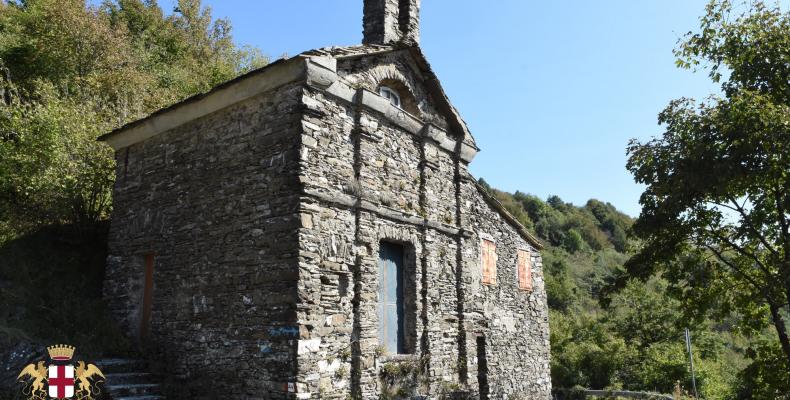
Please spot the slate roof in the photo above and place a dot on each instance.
(349, 51)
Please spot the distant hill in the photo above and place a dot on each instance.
(634, 343)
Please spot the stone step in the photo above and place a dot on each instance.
(118, 378)
(133, 389)
(145, 397)
(129, 379)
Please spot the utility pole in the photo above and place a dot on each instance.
(691, 362)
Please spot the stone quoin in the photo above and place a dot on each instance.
(311, 230)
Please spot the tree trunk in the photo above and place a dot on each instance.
(781, 330)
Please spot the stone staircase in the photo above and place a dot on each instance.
(129, 379)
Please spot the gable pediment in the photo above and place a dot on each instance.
(367, 67)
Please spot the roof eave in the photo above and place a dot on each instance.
(496, 205)
(221, 96)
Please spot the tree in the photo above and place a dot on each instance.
(72, 72)
(718, 178)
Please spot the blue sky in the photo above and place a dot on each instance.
(552, 90)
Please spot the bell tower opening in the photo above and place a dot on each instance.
(389, 22)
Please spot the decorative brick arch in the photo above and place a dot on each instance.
(413, 100)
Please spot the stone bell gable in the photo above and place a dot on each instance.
(391, 22)
(311, 230)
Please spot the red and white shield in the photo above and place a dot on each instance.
(61, 381)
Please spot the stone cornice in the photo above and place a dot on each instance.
(353, 202)
(322, 76)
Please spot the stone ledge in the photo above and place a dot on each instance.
(322, 76)
(400, 358)
(321, 71)
(349, 201)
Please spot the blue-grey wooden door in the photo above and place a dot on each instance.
(391, 311)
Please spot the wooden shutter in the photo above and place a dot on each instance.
(524, 270)
(489, 262)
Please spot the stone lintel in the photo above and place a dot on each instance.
(369, 135)
(466, 233)
(467, 178)
(342, 91)
(440, 136)
(429, 164)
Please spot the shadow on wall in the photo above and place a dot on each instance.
(51, 292)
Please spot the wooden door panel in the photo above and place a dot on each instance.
(391, 302)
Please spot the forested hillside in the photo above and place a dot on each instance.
(636, 342)
(70, 72)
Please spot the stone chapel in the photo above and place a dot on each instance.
(311, 230)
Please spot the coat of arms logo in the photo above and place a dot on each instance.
(61, 380)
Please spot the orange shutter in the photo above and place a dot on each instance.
(489, 262)
(524, 270)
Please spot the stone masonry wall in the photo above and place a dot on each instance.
(359, 157)
(366, 180)
(391, 21)
(514, 322)
(266, 220)
(216, 202)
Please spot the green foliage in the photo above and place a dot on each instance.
(715, 215)
(403, 378)
(595, 226)
(72, 72)
(766, 376)
(56, 171)
(583, 351)
(636, 342)
(573, 241)
(560, 287)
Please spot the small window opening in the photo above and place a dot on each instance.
(399, 95)
(391, 95)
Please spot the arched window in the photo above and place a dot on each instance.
(399, 95)
(390, 94)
